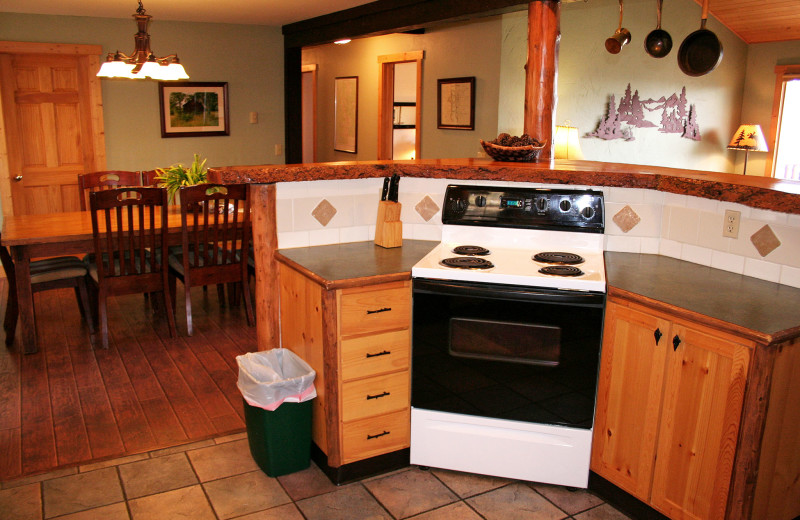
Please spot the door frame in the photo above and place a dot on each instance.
(90, 57)
(310, 69)
(386, 100)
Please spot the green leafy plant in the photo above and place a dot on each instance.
(178, 175)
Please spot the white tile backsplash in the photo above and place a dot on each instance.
(673, 225)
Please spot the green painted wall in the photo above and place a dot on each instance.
(248, 57)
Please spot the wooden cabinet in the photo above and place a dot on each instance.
(358, 340)
(670, 398)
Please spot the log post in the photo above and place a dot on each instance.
(541, 71)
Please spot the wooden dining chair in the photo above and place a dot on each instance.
(46, 274)
(130, 233)
(215, 227)
(105, 180)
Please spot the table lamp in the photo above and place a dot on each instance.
(749, 138)
(566, 143)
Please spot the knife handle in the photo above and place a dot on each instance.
(385, 191)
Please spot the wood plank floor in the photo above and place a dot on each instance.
(71, 403)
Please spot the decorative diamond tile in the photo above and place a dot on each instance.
(324, 212)
(426, 208)
(765, 240)
(626, 219)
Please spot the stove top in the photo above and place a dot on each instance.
(520, 236)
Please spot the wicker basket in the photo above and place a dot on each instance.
(512, 153)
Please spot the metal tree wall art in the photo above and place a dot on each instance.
(675, 117)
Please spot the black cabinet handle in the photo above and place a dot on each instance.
(378, 435)
(657, 334)
(378, 396)
(384, 353)
(385, 309)
(675, 342)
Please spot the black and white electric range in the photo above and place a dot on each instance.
(507, 327)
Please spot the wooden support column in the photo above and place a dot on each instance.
(541, 71)
(265, 242)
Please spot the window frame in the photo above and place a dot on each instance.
(783, 73)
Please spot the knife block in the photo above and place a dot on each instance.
(389, 228)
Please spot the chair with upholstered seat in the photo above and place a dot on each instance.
(130, 234)
(105, 180)
(215, 222)
(50, 273)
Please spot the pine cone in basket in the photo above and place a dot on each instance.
(509, 140)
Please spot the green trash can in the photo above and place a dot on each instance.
(277, 387)
(280, 440)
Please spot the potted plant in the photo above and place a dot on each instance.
(178, 175)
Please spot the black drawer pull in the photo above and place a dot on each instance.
(675, 342)
(376, 436)
(657, 334)
(384, 353)
(378, 396)
(385, 309)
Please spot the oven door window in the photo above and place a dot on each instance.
(527, 343)
(506, 353)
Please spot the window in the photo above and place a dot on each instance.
(786, 123)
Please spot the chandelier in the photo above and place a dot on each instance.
(142, 63)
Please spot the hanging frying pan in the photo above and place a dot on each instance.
(701, 51)
(658, 43)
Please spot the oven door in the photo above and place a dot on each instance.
(507, 352)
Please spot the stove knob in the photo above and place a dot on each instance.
(587, 212)
(541, 204)
(564, 205)
(458, 205)
(480, 201)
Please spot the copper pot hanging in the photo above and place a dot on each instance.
(658, 43)
(621, 36)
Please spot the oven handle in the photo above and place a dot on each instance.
(507, 292)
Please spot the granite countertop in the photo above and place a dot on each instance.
(770, 310)
(355, 263)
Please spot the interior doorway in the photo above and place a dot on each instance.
(400, 106)
(309, 112)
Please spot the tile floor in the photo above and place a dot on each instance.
(218, 479)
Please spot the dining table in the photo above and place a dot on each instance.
(53, 234)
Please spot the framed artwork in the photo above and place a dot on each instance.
(345, 134)
(193, 109)
(457, 103)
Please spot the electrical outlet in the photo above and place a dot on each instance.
(278, 149)
(730, 226)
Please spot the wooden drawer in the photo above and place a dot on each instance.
(374, 396)
(376, 435)
(363, 312)
(367, 356)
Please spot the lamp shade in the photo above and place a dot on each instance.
(566, 143)
(748, 137)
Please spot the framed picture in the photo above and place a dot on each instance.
(457, 103)
(345, 134)
(193, 109)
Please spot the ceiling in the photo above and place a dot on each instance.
(754, 21)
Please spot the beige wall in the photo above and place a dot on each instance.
(249, 58)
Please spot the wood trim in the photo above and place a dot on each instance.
(781, 71)
(385, 108)
(401, 56)
(6, 197)
(311, 67)
(265, 242)
(330, 339)
(48, 48)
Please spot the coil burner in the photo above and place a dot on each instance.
(471, 250)
(561, 270)
(555, 257)
(467, 262)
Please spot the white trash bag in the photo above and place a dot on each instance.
(272, 377)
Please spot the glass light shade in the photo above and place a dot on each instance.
(176, 71)
(748, 137)
(151, 69)
(116, 69)
(566, 143)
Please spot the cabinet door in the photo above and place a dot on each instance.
(628, 399)
(704, 390)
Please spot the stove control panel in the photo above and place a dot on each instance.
(534, 208)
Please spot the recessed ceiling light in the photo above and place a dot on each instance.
(342, 42)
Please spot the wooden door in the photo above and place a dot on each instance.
(703, 394)
(52, 117)
(629, 398)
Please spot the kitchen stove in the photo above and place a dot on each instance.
(507, 321)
